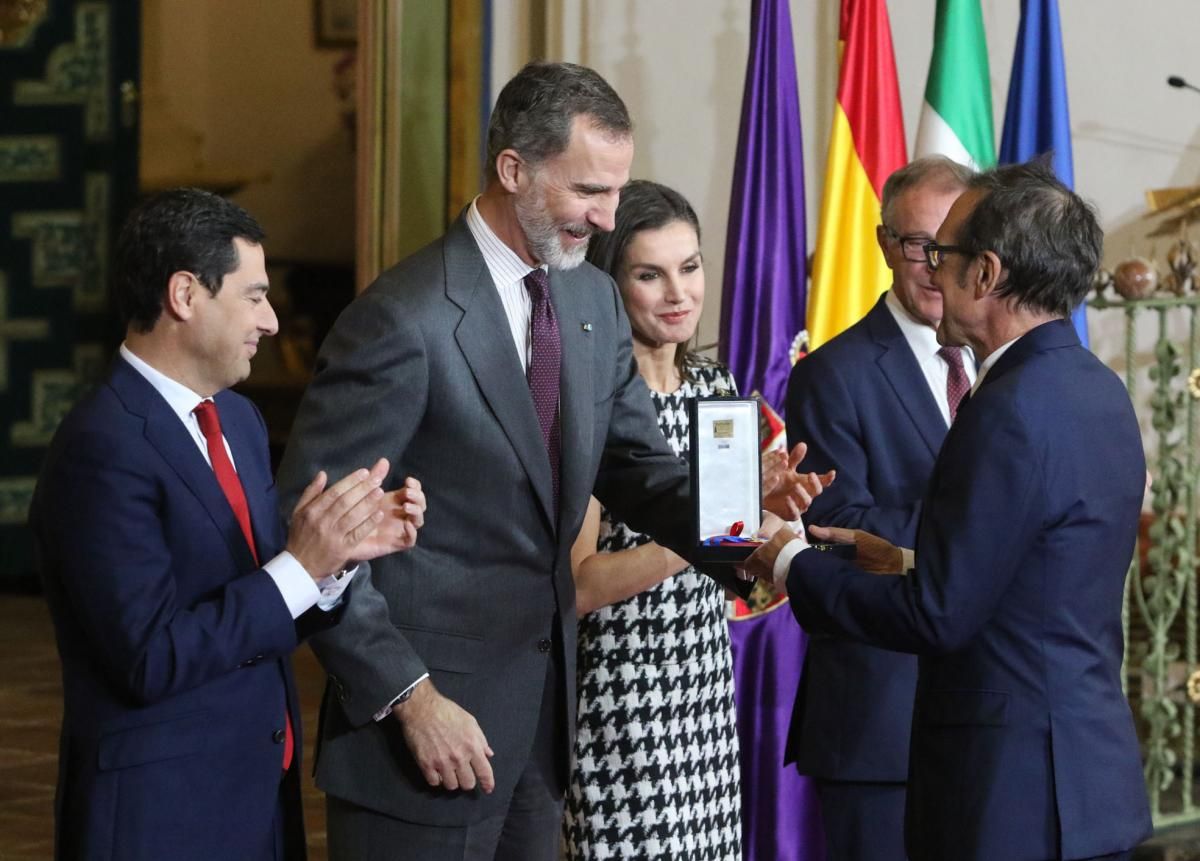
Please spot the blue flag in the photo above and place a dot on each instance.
(1037, 119)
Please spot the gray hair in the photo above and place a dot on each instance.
(942, 173)
(535, 110)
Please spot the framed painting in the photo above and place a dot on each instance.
(336, 23)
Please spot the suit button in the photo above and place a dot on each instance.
(278, 736)
(543, 645)
(339, 689)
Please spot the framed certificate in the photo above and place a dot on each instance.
(726, 478)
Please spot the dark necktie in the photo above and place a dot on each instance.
(231, 486)
(545, 365)
(957, 384)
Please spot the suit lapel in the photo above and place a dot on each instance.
(906, 378)
(484, 337)
(172, 441)
(576, 402)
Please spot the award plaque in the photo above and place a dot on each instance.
(726, 478)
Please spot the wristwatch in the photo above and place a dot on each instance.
(406, 696)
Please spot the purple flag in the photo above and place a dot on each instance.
(764, 293)
(781, 814)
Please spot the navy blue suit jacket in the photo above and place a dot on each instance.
(174, 643)
(862, 404)
(1023, 746)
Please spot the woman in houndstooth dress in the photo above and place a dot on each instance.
(655, 766)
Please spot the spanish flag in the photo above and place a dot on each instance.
(865, 146)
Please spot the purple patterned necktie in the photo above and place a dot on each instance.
(545, 363)
(957, 384)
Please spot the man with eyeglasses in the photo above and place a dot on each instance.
(875, 403)
(1023, 745)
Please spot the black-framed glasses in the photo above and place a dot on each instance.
(934, 252)
(911, 247)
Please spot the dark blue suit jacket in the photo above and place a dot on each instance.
(862, 404)
(174, 644)
(1023, 746)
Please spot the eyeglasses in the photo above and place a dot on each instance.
(911, 247)
(934, 252)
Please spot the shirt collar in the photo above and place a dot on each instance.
(179, 397)
(921, 339)
(991, 361)
(504, 264)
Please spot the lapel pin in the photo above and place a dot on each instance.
(587, 327)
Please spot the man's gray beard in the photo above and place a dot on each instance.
(541, 232)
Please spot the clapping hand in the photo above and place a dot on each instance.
(328, 522)
(786, 492)
(403, 513)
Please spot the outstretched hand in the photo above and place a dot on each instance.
(871, 553)
(761, 563)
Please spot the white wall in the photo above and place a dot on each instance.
(680, 65)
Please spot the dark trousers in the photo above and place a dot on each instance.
(863, 821)
(287, 838)
(529, 829)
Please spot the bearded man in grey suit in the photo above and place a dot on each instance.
(495, 366)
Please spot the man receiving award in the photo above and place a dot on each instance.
(1023, 745)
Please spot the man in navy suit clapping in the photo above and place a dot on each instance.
(176, 595)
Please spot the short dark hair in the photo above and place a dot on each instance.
(535, 110)
(1045, 235)
(179, 230)
(644, 205)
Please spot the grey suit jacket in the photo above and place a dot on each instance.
(422, 369)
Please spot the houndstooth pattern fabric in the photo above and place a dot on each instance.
(655, 766)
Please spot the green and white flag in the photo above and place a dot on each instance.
(956, 117)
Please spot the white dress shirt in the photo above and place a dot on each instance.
(922, 340)
(294, 583)
(508, 273)
(990, 362)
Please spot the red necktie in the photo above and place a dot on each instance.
(545, 363)
(231, 486)
(957, 385)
